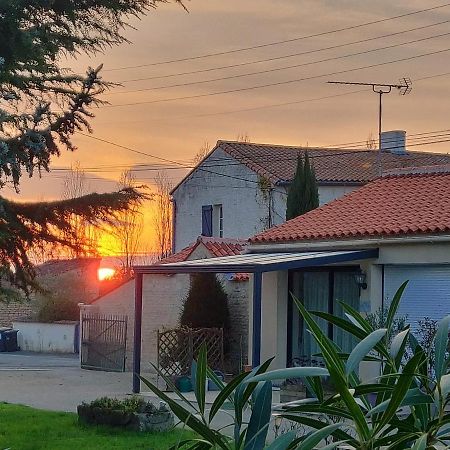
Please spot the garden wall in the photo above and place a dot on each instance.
(58, 337)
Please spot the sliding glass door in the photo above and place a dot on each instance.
(320, 290)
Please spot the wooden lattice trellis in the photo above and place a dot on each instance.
(177, 348)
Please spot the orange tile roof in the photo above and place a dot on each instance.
(278, 162)
(411, 204)
(216, 246)
(180, 256)
(223, 246)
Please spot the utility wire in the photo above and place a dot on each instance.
(279, 83)
(276, 105)
(291, 55)
(284, 41)
(278, 69)
(202, 169)
(178, 165)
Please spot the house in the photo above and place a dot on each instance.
(240, 188)
(405, 218)
(163, 297)
(76, 278)
(359, 249)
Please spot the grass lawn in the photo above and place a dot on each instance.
(24, 428)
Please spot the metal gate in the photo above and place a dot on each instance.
(103, 342)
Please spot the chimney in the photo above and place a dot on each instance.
(394, 142)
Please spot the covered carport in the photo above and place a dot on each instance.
(254, 263)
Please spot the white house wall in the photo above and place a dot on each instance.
(328, 193)
(161, 306)
(235, 187)
(244, 209)
(274, 303)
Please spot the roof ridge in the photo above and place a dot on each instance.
(437, 169)
(220, 239)
(298, 147)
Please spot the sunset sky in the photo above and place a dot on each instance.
(175, 129)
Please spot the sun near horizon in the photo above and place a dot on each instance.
(105, 273)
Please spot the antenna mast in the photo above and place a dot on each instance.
(404, 87)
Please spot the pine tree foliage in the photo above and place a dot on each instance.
(303, 195)
(24, 226)
(206, 305)
(42, 104)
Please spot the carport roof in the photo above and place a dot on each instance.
(259, 262)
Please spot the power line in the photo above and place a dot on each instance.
(216, 162)
(291, 55)
(277, 69)
(279, 83)
(284, 41)
(294, 157)
(255, 108)
(178, 165)
(276, 105)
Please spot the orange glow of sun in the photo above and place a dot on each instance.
(105, 273)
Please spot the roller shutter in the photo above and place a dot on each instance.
(427, 293)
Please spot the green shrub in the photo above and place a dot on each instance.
(54, 308)
(133, 404)
(206, 305)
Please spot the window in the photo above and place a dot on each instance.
(207, 220)
(218, 221)
(212, 220)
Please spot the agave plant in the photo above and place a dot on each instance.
(404, 407)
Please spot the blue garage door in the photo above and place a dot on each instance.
(427, 293)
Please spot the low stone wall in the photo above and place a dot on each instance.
(58, 337)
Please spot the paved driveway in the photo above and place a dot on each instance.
(55, 382)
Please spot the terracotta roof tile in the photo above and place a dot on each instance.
(278, 162)
(217, 247)
(180, 256)
(390, 206)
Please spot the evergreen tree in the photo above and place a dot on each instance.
(303, 195)
(206, 305)
(42, 104)
(295, 190)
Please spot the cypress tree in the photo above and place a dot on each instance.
(311, 195)
(206, 305)
(295, 189)
(303, 195)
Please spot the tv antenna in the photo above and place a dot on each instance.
(403, 87)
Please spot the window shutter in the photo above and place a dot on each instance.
(207, 211)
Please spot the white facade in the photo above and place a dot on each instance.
(233, 189)
(47, 337)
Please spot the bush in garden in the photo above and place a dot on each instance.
(378, 319)
(52, 308)
(206, 305)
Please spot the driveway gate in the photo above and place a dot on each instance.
(103, 342)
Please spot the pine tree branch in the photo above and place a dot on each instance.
(24, 226)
